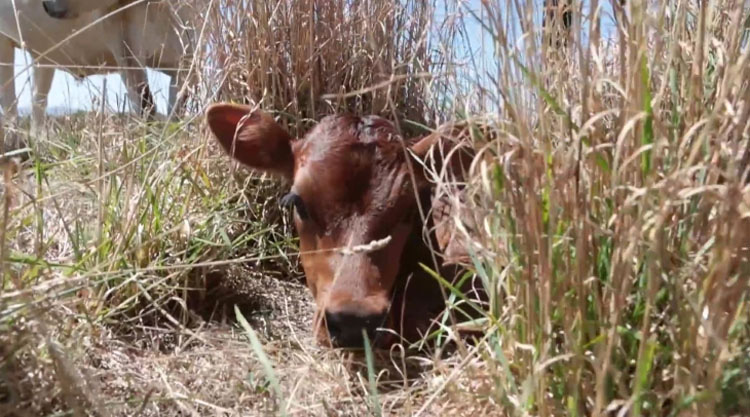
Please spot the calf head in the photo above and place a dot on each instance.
(355, 209)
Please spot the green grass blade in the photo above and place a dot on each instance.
(265, 362)
(373, 398)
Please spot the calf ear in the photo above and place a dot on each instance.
(419, 152)
(438, 150)
(443, 154)
(253, 138)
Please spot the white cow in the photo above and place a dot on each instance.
(93, 37)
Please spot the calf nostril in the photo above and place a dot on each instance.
(345, 329)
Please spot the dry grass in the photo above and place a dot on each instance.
(610, 199)
(306, 59)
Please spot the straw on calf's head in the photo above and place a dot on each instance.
(356, 212)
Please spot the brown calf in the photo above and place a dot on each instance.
(355, 192)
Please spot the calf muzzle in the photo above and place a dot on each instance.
(345, 329)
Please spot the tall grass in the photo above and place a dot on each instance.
(617, 192)
(307, 59)
(608, 202)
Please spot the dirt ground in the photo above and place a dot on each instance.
(156, 369)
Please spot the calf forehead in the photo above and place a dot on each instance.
(344, 152)
(339, 133)
(348, 165)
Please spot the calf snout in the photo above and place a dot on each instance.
(345, 329)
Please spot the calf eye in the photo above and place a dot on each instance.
(294, 200)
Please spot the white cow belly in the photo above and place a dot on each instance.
(86, 53)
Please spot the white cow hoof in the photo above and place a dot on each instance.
(38, 133)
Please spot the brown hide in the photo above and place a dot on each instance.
(355, 189)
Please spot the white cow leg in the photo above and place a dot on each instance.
(7, 96)
(139, 92)
(174, 89)
(42, 84)
(176, 100)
